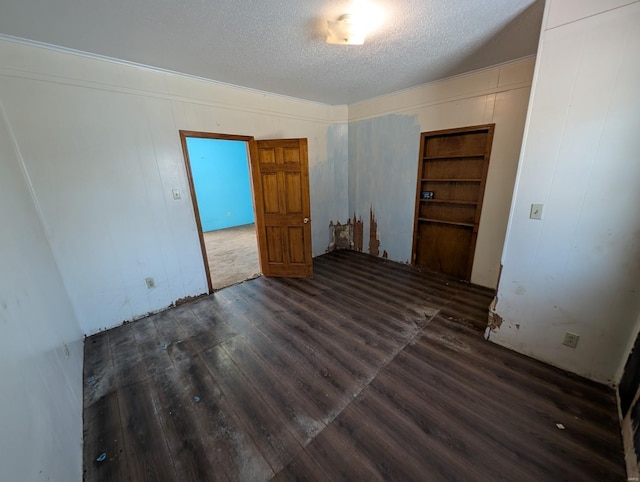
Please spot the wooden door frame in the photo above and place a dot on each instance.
(490, 128)
(249, 140)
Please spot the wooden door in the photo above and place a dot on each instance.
(452, 172)
(280, 173)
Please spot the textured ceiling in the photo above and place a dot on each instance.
(279, 45)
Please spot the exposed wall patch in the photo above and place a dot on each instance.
(374, 244)
(351, 235)
(383, 153)
(494, 320)
(357, 233)
(341, 235)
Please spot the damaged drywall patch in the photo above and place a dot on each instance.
(341, 235)
(350, 235)
(374, 242)
(494, 320)
(357, 233)
(346, 236)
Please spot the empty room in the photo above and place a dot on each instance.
(441, 201)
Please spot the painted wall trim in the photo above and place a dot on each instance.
(89, 55)
(162, 88)
(559, 16)
(402, 99)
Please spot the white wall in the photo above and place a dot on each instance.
(384, 142)
(101, 147)
(41, 387)
(578, 269)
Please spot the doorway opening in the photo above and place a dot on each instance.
(221, 190)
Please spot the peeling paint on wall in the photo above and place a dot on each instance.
(494, 321)
(374, 243)
(357, 233)
(340, 236)
(383, 167)
(351, 235)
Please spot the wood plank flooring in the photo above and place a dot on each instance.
(371, 370)
(232, 254)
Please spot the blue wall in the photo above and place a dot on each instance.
(383, 171)
(220, 170)
(328, 186)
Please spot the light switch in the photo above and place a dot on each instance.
(536, 211)
(176, 194)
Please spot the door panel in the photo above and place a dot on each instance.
(293, 189)
(296, 244)
(280, 172)
(270, 193)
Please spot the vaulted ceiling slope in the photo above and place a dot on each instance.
(279, 45)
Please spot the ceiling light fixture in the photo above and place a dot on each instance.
(364, 17)
(347, 30)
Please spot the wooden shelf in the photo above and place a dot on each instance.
(453, 165)
(449, 201)
(450, 180)
(429, 220)
(457, 156)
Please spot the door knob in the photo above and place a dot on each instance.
(305, 220)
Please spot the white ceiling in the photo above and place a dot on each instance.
(279, 45)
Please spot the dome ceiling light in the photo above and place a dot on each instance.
(347, 30)
(352, 28)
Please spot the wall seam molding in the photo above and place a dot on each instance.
(34, 200)
(127, 63)
(37, 77)
(445, 100)
(589, 16)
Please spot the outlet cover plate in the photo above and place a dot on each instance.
(570, 339)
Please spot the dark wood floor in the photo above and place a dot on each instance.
(370, 371)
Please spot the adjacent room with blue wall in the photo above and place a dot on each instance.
(220, 170)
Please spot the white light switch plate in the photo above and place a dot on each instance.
(536, 211)
(176, 194)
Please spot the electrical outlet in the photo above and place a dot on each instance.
(150, 283)
(176, 194)
(536, 211)
(570, 339)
